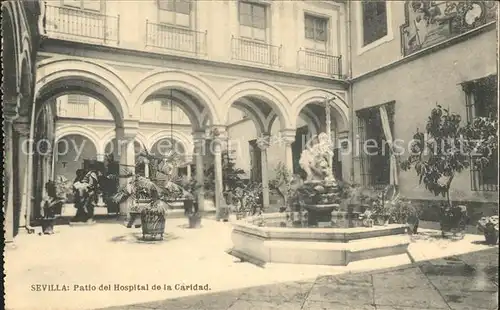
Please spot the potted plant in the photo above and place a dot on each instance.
(282, 184)
(437, 168)
(51, 205)
(64, 187)
(191, 208)
(150, 195)
(489, 227)
(402, 211)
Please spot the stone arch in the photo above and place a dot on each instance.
(184, 103)
(253, 114)
(84, 131)
(108, 138)
(189, 84)
(265, 92)
(59, 76)
(177, 136)
(319, 95)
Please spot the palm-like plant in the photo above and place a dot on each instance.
(150, 190)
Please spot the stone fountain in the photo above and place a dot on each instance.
(314, 229)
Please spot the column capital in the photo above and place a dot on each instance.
(218, 132)
(288, 136)
(126, 133)
(199, 136)
(22, 126)
(264, 141)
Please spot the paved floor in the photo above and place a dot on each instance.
(84, 258)
(468, 281)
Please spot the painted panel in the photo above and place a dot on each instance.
(428, 23)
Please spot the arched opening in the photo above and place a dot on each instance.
(326, 119)
(74, 151)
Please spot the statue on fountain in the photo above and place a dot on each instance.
(320, 192)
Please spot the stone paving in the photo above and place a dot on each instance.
(108, 253)
(462, 282)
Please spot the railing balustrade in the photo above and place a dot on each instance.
(174, 38)
(77, 24)
(255, 52)
(317, 62)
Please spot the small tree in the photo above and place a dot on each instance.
(452, 147)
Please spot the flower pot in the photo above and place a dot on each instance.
(223, 213)
(491, 237)
(48, 225)
(240, 215)
(194, 220)
(382, 220)
(153, 224)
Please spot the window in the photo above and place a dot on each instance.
(92, 5)
(78, 99)
(252, 21)
(167, 106)
(316, 28)
(175, 12)
(374, 21)
(374, 153)
(481, 101)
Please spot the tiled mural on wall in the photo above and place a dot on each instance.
(430, 22)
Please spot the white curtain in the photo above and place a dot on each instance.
(388, 136)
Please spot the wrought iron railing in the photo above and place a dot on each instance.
(484, 178)
(82, 25)
(255, 52)
(174, 38)
(317, 62)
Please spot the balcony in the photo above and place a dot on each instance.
(255, 52)
(81, 25)
(172, 38)
(319, 63)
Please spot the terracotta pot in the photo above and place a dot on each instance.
(194, 221)
(491, 237)
(48, 225)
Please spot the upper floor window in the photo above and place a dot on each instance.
(253, 23)
(316, 28)
(92, 5)
(175, 12)
(374, 21)
(78, 99)
(316, 32)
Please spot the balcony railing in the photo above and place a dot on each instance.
(83, 110)
(255, 52)
(82, 25)
(177, 39)
(317, 62)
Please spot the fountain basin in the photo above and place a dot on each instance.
(262, 244)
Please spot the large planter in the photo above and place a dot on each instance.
(491, 237)
(453, 223)
(194, 220)
(223, 213)
(153, 224)
(48, 225)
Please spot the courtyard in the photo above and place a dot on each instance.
(108, 265)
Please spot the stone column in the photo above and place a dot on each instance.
(343, 143)
(125, 138)
(264, 145)
(9, 177)
(146, 168)
(188, 170)
(100, 157)
(219, 137)
(199, 151)
(288, 138)
(22, 129)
